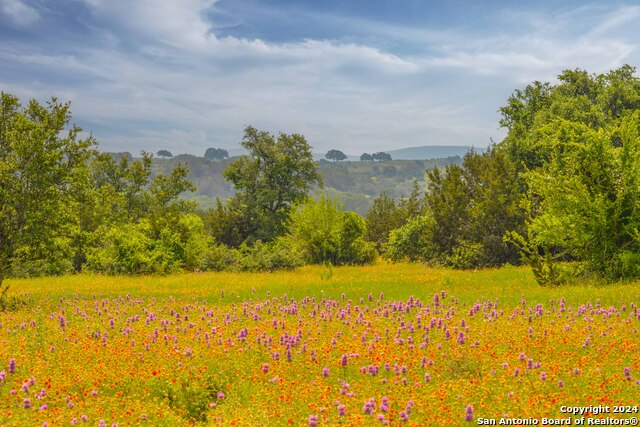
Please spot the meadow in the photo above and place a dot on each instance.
(388, 344)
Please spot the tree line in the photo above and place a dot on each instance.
(560, 192)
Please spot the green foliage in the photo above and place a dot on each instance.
(411, 242)
(164, 153)
(469, 209)
(277, 255)
(386, 215)
(578, 147)
(381, 156)
(124, 249)
(277, 173)
(324, 233)
(220, 258)
(43, 170)
(136, 248)
(335, 155)
(216, 154)
(226, 223)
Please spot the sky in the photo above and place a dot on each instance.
(358, 76)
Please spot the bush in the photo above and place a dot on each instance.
(220, 258)
(120, 250)
(323, 233)
(411, 242)
(134, 249)
(269, 257)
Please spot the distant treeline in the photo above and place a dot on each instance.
(354, 184)
(564, 185)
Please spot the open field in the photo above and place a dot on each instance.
(385, 344)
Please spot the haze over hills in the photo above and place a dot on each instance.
(354, 183)
(429, 152)
(424, 152)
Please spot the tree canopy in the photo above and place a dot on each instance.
(335, 155)
(366, 157)
(164, 154)
(381, 156)
(277, 172)
(43, 165)
(216, 154)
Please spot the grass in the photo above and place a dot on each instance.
(250, 348)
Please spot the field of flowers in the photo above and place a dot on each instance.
(380, 345)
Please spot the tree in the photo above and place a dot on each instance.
(383, 217)
(576, 144)
(324, 233)
(43, 167)
(164, 154)
(366, 157)
(335, 155)
(216, 154)
(381, 156)
(276, 173)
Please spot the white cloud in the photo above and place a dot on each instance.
(183, 88)
(545, 45)
(18, 12)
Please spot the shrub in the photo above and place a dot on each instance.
(411, 242)
(322, 233)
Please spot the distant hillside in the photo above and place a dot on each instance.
(428, 152)
(354, 183)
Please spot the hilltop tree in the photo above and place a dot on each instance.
(43, 169)
(216, 154)
(366, 157)
(335, 155)
(276, 173)
(164, 154)
(382, 156)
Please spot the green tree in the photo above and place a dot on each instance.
(381, 156)
(164, 154)
(463, 218)
(324, 233)
(575, 145)
(366, 157)
(216, 154)
(43, 167)
(383, 217)
(335, 155)
(276, 173)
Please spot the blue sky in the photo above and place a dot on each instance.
(359, 76)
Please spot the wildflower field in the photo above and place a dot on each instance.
(380, 345)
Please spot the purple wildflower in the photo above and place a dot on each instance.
(369, 406)
(468, 416)
(313, 421)
(344, 360)
(12, 366)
